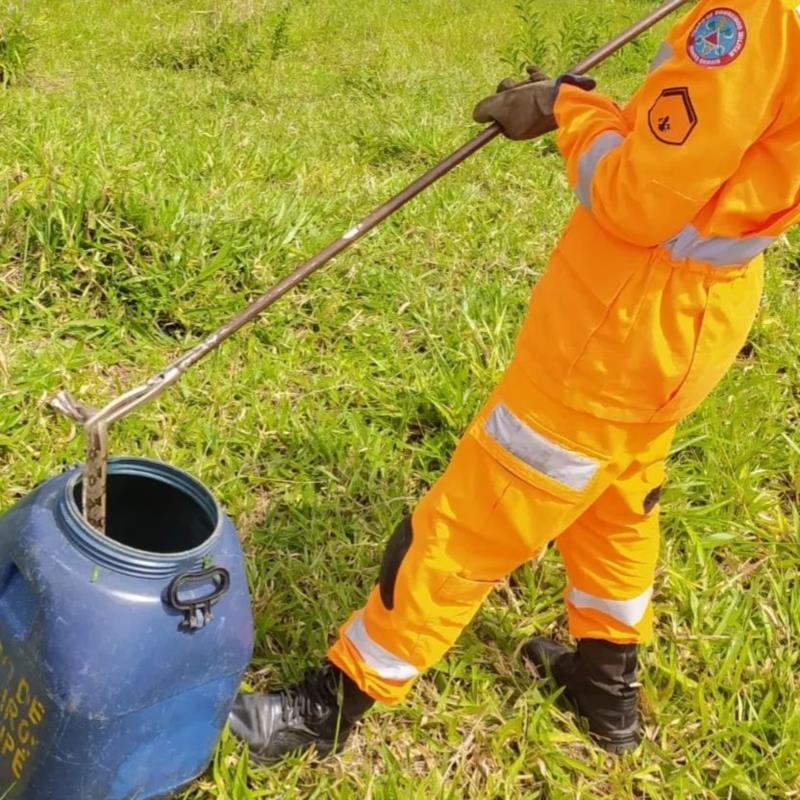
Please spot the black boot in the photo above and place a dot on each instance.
(301, 716)
(599, 680)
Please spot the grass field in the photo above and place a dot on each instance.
(162, 162)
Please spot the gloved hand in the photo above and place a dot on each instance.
(534, 76)
(526, 110)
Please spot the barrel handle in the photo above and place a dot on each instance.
(198, 611)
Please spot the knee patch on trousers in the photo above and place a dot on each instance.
(652, 499)
(396, 551)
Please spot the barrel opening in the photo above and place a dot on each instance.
(150, 515)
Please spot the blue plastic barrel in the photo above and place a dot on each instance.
(120, 656)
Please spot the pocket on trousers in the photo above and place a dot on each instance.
(536, 456)
(463, 596)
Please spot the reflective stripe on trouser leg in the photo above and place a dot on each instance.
(611, 552)
(507, 492)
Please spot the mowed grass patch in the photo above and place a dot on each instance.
(162, 163)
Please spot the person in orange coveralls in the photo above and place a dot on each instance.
(647, 300)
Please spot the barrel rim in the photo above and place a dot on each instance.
(122, 557)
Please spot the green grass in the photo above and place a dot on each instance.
(161, 163)
(16, 46)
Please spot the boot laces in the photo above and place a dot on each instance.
(315, 694)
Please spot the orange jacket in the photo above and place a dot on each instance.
(708, 150)
(655, 284)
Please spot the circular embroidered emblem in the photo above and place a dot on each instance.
(718, 38)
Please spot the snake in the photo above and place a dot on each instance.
(95, 468)
(95, 471)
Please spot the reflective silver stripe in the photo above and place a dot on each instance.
(562, 465)
(376, 657)
(587, 165)
(719, 251)
(664, 54)
(628, 612)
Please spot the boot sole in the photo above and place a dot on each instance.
(617, 749)
(319, 753)
(623, 745)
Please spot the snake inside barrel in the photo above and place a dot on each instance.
(93, 484)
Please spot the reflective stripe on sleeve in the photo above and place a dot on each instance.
(628, 612)
(664, 54)
(570, 469)
(587, 166)
(378, 658)
(719, 251)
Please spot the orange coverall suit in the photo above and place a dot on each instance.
(644, 306)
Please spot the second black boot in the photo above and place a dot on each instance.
(318, 712)
(599, 680)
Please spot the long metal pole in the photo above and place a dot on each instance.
(131, 400)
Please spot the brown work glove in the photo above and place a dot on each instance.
(535, 75)
(526, 110)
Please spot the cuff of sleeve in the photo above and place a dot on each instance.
(581, 116)
(569, 97)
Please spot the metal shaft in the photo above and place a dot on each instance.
(131, 400)
(627, 36)
(127, 403)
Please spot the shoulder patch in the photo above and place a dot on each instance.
(672, 117)
(718, 39)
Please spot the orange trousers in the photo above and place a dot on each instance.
(595, 492)
(563, 461)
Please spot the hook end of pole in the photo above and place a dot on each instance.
(67, 405)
